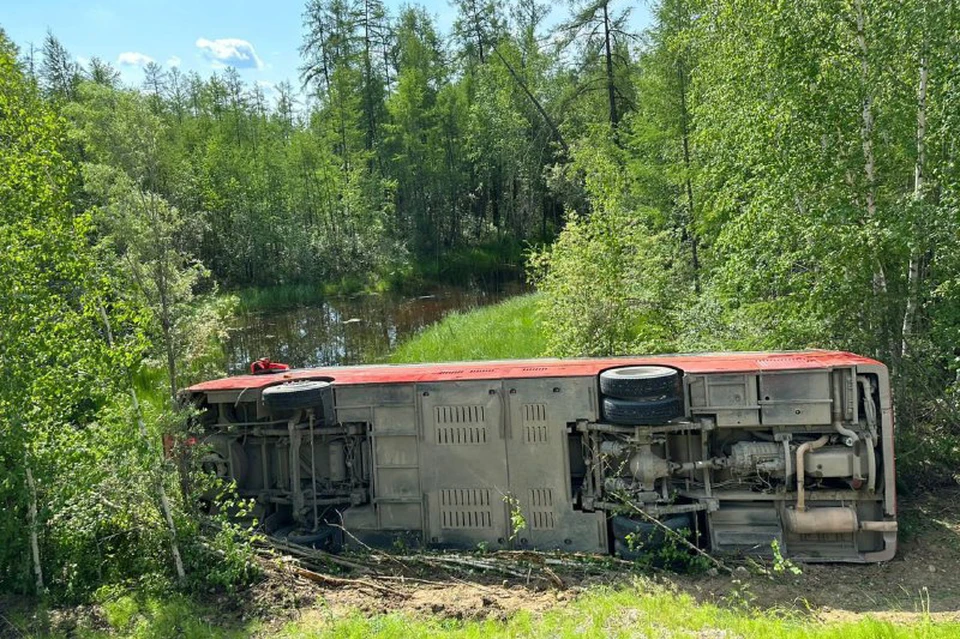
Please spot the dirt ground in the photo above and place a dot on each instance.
(924, 578)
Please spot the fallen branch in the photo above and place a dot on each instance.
(376, 566)
(555, 578)
(317, 577)
(368, 548)
(586, 563)
(473, 563)
(310, 553)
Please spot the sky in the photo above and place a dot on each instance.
(260, 40)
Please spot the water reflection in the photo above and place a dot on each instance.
(348, 330)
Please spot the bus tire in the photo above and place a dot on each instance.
(636, 413)
(295, 395)
(640, 382)
(322, 538)
(632, 538)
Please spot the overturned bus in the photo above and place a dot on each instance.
(740, 450)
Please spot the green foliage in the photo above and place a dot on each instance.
(781, 183)
(77, 322)
(56, 394)
(607, 287)
(517, 520)
(781, 565)
(670, 552)
(614, 278)
(510, 329)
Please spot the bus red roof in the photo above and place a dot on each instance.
(517, 369)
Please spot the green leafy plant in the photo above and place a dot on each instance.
(781, 564)
(517, 521)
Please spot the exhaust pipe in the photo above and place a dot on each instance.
(832, 520)
(821, 520)
(802, 450)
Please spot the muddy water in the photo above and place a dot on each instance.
(347, 330)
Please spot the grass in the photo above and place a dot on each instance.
(133, 615)
(644, 610)
(508, 330)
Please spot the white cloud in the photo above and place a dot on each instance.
(230, 52)
(133, 59)
(173, 61)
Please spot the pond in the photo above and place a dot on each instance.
(358, 329)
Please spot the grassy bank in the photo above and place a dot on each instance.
(642, 609)
(506, 330)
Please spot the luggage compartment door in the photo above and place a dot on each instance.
(463, 468)
(538, 458)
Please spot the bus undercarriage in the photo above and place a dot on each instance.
(738, 451)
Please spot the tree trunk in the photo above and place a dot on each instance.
(368, 79)
(866, 126)
(878, 322)
(608, 53)
(32, 523)
(323, 57)
(688, 182)
(536, 103)
(145, 436)
(166, 327)
(479, 32)
(913, 267)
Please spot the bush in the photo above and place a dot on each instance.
(609, 287)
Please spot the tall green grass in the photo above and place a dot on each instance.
(508, 330)
(645, 610)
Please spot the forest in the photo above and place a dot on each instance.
(740, 175)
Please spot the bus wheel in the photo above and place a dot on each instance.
(640, 382)
(632, 413)
(295, 395)
(633, 538)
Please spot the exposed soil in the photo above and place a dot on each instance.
(924, 579)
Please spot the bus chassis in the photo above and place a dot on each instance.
(738, 451)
